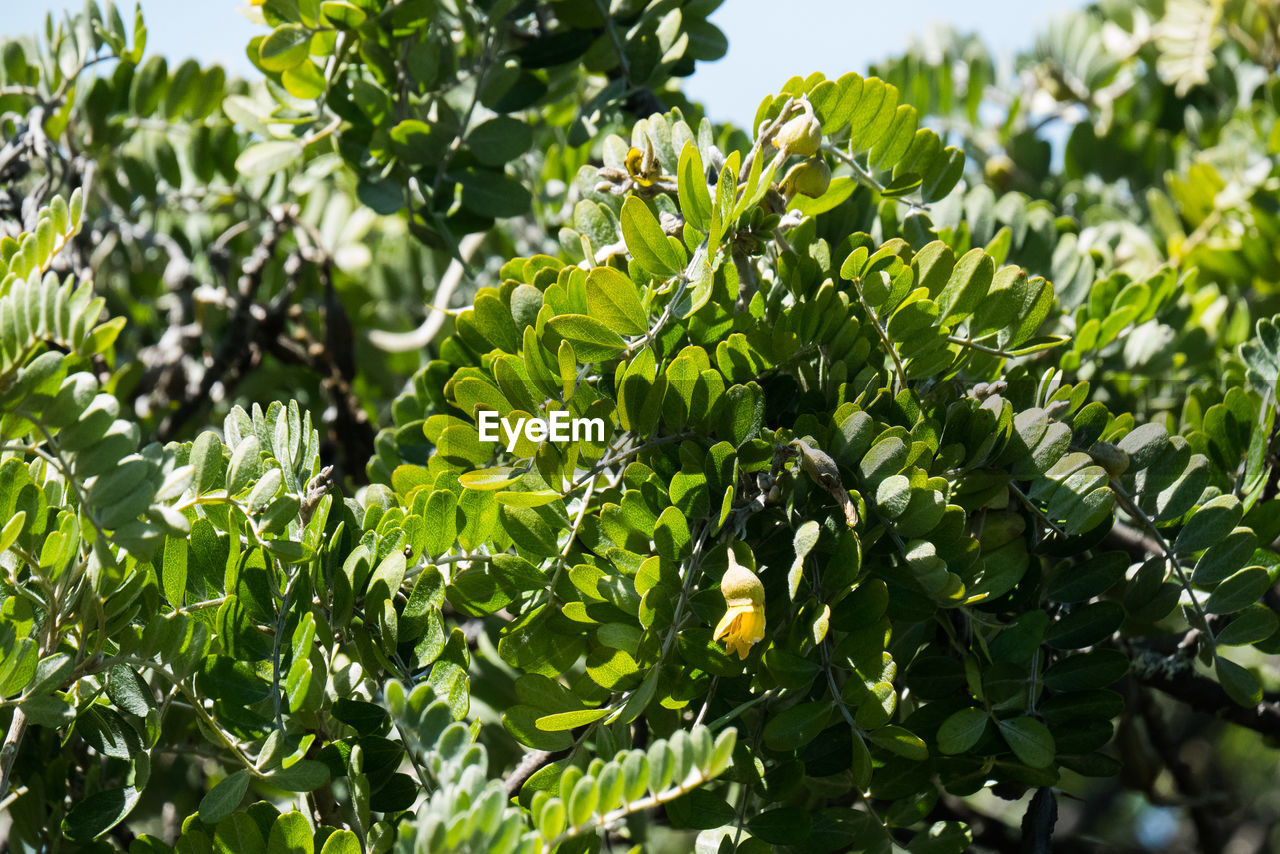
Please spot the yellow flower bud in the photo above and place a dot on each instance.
(642, 166)
(810, 178)
(743, 622)
(801, 135)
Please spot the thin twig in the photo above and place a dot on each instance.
(417, 339)
(281, 618)
(900, 372)
(573, 534)
(618, 46)
(11, 797)
(12, 743)
(624, 454)
(867, 178)
(1136, 512)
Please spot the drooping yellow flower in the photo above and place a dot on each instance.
(643, 166)
(743, 622)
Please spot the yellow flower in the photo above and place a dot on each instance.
(642, 166)
(743, 621)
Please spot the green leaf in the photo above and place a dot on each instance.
(303, 776)
(493, 194)
(50, 710)
(304, 80)
(366, 718)
(12, 528)
(1240, 684)
(722, 206)
(441, 518)
(268, 157)
(1239, 591)
(742, 413)
(781, 826)
(1253, 624)
(1144, 445)
(290, 834)
(1030, 741)
(100, 812)
(614, 299)
(840, 189)
(1085, 626)
(238, 833)
(893, 495)
(805, 539)
(797, 726)
(592, 341)
(245, 466)
(901, 742)
(961, 730)
(1209, 524)
(646, 241)
(639, 699)
(488, 480)
(206, 463)
(123, 493)
(52, 672)
(342, 842)
(499, 140)
(703, 281)
(1224, 558)
(128, 691)
(288, 551)
(885, 458)
(695, 198)
(582, 801)
(671, 534)
(109, 734)
(570, 720)
(342, 15)
(223, 798)
(537, 498)
(1035, 345)
(264, 490)
(609, 668)
(966, 286)
(1080, 582)
(285, 47)
(521, 721)
(699, 810)
(943, 837)
(901, 185)
(149, 85)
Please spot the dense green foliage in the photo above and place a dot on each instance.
(979, 436)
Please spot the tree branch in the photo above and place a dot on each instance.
(416, 339)
(992, 834)
(529, 765)
(234, 351)
(1202, 694)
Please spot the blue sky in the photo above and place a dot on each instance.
(209, 30)
(769, 40)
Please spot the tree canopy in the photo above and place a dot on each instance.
(926, 493)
